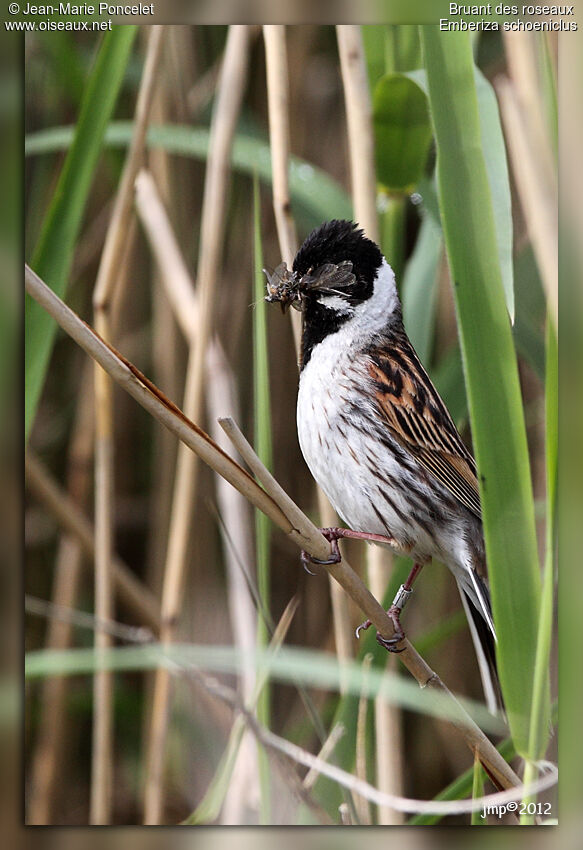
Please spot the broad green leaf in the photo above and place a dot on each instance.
(315, 196)
(54, 253)
(419, 288)
(494, 153)
(448, 377)
(493, 387)
(530, 313)
(539, 721)
(374, 40)
(402, 130)
(404, 50)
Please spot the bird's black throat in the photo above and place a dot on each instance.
(318, 322)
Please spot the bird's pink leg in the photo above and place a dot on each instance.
(394, 612)
(335, 534)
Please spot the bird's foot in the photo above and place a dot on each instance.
(394, 615)
(333, 535)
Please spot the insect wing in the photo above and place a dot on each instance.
(330, 277)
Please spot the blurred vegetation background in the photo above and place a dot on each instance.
(144, 327)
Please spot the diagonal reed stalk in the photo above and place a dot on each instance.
(227, 107)
(300, 529)
(278, 102)
(364, 194)
(65, 510)
(221, 398)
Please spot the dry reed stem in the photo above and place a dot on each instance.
(532, 158)
(177, 282)
(227, 107)
(165, 411)
(326, 751)
(122, 210)
(364, 189)
(50, 738)
(169, 102)
(359, 125)
(390, 762)
(341, 622)
(236, 523)
(278, 105)
(303, 533)
(547, 778)
(238, 728)
(387, 718)
(64, 509)
(403, 804)
(102, 745)
(165, 346)
(107, 276)
(522, 54)
(361, 805)
(278, 108)
(221, 398)
(68, 563)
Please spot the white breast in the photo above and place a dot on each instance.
(326, 449)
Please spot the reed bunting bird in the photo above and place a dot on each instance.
(373, 430)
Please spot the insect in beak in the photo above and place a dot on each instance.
(283, 286)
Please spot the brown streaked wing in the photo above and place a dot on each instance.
(419, 420)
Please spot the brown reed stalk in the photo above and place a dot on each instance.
(532, 159)
(358, 103)
(221, 399)
(278, 109)
(102, 750)
(361, 805)
(229, 98)
(359, 126)
(69, 561)
(64, 508)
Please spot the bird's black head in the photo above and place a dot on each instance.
(325, 309)
(340, 241)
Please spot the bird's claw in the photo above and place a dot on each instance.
(335, 556)
(390, 644)
(362, 627)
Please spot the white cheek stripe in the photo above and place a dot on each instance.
(367, 318)
(336, 303)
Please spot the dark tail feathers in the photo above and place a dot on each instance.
(485, 646)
